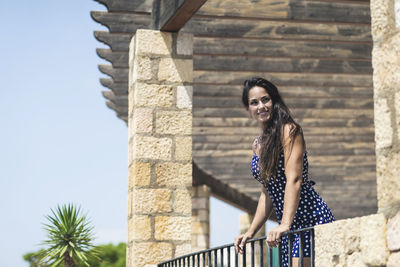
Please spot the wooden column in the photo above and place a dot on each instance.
(160, 147)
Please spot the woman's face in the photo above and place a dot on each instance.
(260, 104)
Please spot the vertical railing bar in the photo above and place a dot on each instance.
(244, 256)
(270, 259)
(290, 249)
(252, 253)
(229, 256)
(193, 263)
(312, 248)
(198, 260)
(236, 259)
(204, 259)
(301, 249)
(209, 259)
(215, 258)
(222, 257)
(261, 253)
(280, 254)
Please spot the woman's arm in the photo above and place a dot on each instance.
(294, 153)
(263, 211)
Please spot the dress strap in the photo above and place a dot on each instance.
(255, 143)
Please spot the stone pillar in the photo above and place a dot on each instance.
(386, 77)
(160, 147)
(385, 20)
(375, 240)
(200, 218)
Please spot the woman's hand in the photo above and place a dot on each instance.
(274, 235)
(240, 242)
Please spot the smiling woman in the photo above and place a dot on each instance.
(260, 104)
(280, 164)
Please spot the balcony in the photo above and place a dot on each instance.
(256, 254)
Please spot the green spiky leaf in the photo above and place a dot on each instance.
(69, 237)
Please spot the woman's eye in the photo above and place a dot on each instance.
(265, 100)
(253, 103)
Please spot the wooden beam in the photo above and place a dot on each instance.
(172, 15)
(225, 192)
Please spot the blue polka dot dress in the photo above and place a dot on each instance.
(312, 210)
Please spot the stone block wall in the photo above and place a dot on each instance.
(200, 218)
(354, 242)
(160, 147)
(393, 240)
(386, 77)
(375, 240)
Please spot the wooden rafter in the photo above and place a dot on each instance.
(172, 15)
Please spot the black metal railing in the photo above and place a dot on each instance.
(225, 256)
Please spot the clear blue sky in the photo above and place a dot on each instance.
(59, 142)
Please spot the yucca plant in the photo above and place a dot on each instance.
(69, 238)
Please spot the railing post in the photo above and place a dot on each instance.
(252, 253)
(222, 257)
(301, 249)
(270, 259)
(244, 256)
(215, 258)
(229, 256)
(290, 239)
(312, 248)
(236, 260)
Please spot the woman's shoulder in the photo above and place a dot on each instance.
(291, 129)
(291, 132)
(290, 126)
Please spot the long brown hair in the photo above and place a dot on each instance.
(271, 142)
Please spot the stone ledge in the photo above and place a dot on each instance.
(353, 242)
(393, 233)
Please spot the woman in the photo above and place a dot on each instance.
(280, 164)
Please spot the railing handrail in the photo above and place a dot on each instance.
(209, 250)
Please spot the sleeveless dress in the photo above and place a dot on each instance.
(312, 210)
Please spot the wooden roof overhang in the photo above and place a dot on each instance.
(319, 55)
